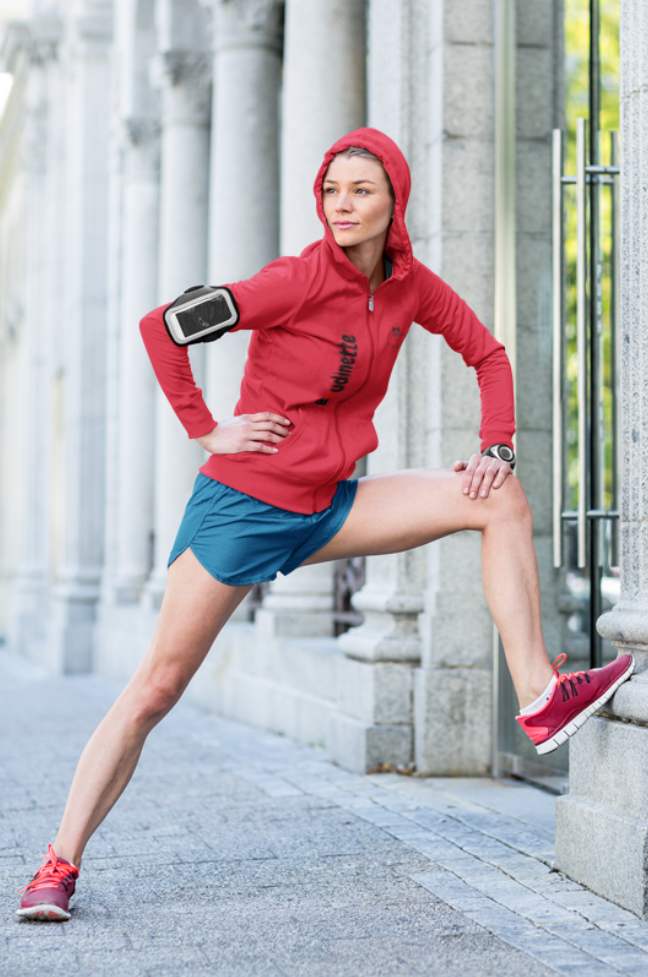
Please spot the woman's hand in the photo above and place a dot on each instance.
(482, 474)
(247, 432)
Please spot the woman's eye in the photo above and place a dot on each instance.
(362, 190)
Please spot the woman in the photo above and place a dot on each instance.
(274, 493)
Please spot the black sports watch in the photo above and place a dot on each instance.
(502, 452)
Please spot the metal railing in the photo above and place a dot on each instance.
(588, 181)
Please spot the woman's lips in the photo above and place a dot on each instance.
(344, 224)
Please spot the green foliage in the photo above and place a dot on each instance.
(577, 36)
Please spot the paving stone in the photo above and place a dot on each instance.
(239, 853)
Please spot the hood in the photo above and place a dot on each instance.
(398, 245)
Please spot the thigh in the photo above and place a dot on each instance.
(194, 609)
(400, 511)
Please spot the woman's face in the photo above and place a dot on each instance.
(356, 199)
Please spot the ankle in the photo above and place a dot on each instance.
(534, 693)
(68, 853)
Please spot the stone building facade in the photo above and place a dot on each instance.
(149, 145)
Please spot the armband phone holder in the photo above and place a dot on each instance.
(202, 314)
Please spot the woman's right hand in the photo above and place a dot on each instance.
(247, 432)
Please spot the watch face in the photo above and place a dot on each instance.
(505, 452)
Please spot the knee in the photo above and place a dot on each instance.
(512, 504)
(156, 695)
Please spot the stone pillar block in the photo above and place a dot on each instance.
(389, 631)
(601, 826)
(452, 721)
(300, 605)
(69, 650)
(362, 747)
(375, 693)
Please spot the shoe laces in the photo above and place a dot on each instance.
(52, 874)
(572, 678)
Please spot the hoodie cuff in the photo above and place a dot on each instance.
(496, 437)
(200, 424)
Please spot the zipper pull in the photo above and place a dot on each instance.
(371, 303)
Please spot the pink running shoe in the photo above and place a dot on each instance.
(47, 895)
(574, 698)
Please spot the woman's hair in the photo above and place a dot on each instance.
(361, 151)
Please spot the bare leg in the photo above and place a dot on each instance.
(398, 512)
(194, 609)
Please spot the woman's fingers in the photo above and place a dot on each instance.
(268, 416)
(481, 474)
(488, 478)
(260, 447)
(470, 474)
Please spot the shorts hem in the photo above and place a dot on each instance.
(342, 518)
(230, 582)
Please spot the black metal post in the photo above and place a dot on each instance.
(595, 348)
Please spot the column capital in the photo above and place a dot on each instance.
(46, 36)
(248, 23)
(189, 70)
(141, 138)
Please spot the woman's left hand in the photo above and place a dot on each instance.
(482, 474)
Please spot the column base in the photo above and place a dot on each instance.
(602, 824)
(128, 588)
(361, 747)
(153, 591)
(390, 629)
(71, 630)
(452, 721)
(300, 605)
(28, 615)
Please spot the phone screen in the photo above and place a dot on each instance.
(210, 315)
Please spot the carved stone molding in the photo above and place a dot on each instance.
(189, 70)
(142, 141)
(249, 22)
(45, 43)
(34, 145)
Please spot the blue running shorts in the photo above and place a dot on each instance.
(240, 540)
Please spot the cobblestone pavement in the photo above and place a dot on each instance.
(237, 853)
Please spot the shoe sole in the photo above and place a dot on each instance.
(572, 727)
(46, 912)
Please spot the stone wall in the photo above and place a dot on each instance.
(145, 113)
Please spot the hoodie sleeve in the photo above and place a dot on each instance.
(441, 311)
(270, 298)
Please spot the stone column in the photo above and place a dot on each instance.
(373, 722)
(132, 275)
(323, 98)
(82, 385)
(139, 294)
(29, 595)
(184, 77)
(244, 227)
(602, 825)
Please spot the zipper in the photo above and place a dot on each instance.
(338, 407)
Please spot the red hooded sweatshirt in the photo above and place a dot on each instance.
(322, 352)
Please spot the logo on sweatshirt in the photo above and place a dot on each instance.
(396, 338)
(348, 353)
